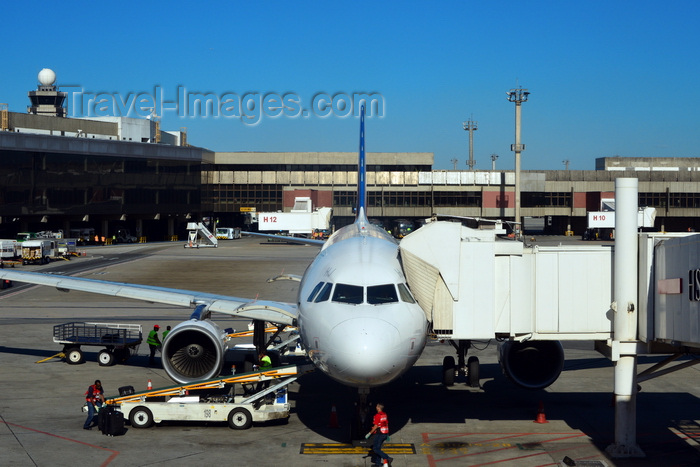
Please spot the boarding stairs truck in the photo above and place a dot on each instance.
(215, 400)
(199, 236)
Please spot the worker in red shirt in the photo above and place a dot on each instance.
(94, 397)
(381, 424)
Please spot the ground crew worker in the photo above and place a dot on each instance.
(165, 333)
(381, 423)
(264, 364)
(94, 396)
(153, 343)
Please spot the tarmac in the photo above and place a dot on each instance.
(40, 403)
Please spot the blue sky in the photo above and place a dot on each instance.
(606, 77)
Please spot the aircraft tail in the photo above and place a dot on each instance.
(361, 211)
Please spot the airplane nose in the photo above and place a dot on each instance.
(366, 350)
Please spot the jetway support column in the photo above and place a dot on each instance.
(625, 319)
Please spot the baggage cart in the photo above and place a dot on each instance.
(120, 341)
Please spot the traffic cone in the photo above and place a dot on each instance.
(150, 385)
(333, 423)
(541, 418)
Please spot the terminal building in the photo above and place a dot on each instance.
(111, 173)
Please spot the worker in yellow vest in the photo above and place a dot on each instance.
(153, 343)
(264, 364)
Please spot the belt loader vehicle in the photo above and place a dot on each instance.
(213, 400)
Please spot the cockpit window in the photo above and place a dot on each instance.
(345, 293)
(325, 293)
(315, 291)
(378, 294)
(405, 294)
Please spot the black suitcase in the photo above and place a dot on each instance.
(126, 390)
(110, 421)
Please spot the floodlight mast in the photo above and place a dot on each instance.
(518, 96)
(471, 127)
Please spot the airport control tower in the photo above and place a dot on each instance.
(47, 100)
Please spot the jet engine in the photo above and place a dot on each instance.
(193, 351)
(532, 364)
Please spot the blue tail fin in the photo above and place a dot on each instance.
(362, 172)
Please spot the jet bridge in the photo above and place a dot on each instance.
(474, 285)
(640, 297)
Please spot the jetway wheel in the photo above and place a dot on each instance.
(141, 417)
(106, 358)
(448, 370)
(240, 419)
(473, 372)
(74, 356)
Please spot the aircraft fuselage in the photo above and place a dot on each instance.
(357, 319)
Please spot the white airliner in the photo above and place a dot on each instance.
(356, 316)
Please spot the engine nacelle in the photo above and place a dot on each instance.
(532, 364)
(193, 351)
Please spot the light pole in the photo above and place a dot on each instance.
(518, 96)
(493, 162)
(471, 127)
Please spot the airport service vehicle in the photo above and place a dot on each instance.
(85, 236)
(216, 400)
(120, 341)
(402, 227)
(124, 236)
(67, 247)
(38, 251)
(228, 233)
(10, 249)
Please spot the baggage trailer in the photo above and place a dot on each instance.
(120, 341)
(214, 400)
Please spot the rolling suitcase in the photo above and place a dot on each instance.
(111, 421)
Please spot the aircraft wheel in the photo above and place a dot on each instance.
(240, 419)
(141, 417)
(106, 358)
(74, 356)
(473, 372)
(448, 370)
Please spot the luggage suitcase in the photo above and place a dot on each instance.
(111, 421)
(126, 390)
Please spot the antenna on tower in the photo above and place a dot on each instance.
(470, 126)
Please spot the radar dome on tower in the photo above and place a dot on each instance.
(47, 77)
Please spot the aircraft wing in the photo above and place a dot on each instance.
(301, 240)
(275, 312)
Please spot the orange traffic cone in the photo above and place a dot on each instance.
(333, 423)
(150, 385)
(541, 418)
